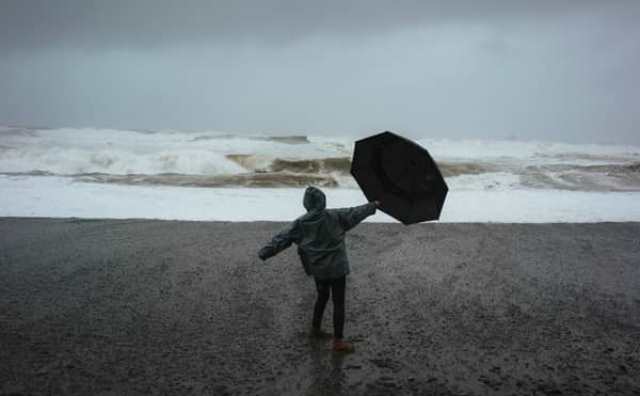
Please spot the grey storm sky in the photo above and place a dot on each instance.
(547, 70)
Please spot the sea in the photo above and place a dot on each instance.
(213, 175)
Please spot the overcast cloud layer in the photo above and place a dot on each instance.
(549, 70)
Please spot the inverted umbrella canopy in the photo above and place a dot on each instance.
(401, 175)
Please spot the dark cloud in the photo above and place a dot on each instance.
(27, 24)
(553, 70)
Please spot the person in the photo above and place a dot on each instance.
(319, 235)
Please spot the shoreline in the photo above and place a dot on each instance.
(61, 198)
(146, 306)
(283, 222)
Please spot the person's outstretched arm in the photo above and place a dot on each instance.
(351, 217)
(280, 242)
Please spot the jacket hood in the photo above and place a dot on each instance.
(314, 199)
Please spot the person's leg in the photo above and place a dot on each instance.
(337, 293)
(323, 288)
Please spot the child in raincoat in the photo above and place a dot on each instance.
(319, 235)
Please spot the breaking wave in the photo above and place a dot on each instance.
(213, 159)
(341, 165)
(300, 139)
(583, 178)
(452, 169)
(267, 179)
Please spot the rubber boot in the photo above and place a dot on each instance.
(340, 345)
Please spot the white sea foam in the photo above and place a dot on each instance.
(177, 174)
(75, 151)
(531, 151)
(61, 197)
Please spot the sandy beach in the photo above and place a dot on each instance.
(165, 307)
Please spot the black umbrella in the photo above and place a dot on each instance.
(401, 175)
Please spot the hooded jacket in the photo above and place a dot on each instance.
(319, 235)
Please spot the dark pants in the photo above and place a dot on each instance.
(335, 287)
